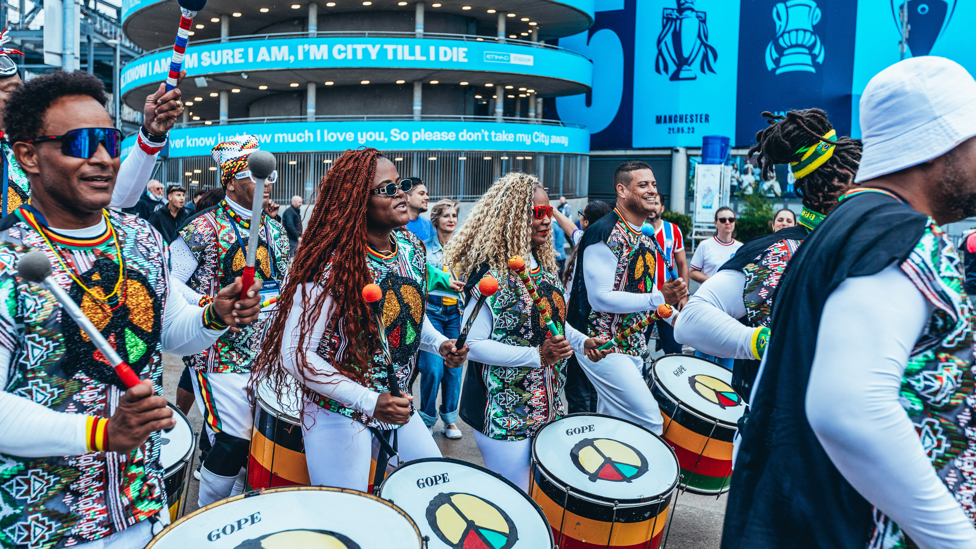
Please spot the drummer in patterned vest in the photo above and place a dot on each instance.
(211, 252)
(516, 372)
(328, 339)
(862, 429)
(160, 116)
(615, 277)
(729, 315)
(79, 454)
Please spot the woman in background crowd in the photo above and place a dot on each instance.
(783, 219)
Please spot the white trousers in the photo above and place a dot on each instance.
(621, 390)
(134, 537)
(223, 402)
(508, 458)
(338, 449)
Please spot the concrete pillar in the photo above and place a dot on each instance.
(419, 19)
(518, 107)
(313, 19)
(418, 99)
(186, 117)
(310, 103)
(538, 108)
(535, 34)
(532, 112)
(67, 36)
(224, 106)
(679, 179)
(224, 27)
(500, 102)
(501, 26)
(91, 55)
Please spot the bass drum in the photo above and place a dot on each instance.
(459, 505)
(603, 482)
(277, 456)
(294, 518)
(701, 412)
(176, 457)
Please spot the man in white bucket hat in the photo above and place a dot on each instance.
(862, 431)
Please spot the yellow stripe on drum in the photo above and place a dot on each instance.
(283, 462)
(174, 511)
(693, 442)
(596, 532)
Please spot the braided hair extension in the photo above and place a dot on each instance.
(335, 238)
(778, 143)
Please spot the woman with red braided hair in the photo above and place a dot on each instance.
(327, 340)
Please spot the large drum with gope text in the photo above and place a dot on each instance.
(603, 482)
(176, 458)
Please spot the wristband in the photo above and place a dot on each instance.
(148, 144)
(211, 320)
(760, 338)
(151, 137)
(205, 300)
(542, 357)
(96, 434)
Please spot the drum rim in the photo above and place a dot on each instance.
(187, 457)
(512, 485)
(278, 414)
(253, 493)
(671, 396)
(619, 502)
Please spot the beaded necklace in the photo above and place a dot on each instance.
(383, 257)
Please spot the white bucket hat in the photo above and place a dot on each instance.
(914, 111)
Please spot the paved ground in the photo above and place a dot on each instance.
(696, 524)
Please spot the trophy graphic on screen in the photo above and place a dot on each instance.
(683, 41)
(928, 19)
(796, 47)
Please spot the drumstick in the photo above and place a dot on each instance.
(517, 264)
(188, 10)
(648, 231)
(487, 288)
(663, 311)
(268, 302)
(261, 164)
(372, 295)
(35, 267)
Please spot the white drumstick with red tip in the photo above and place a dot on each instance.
(262, 165)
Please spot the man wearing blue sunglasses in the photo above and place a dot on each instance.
(88, 449)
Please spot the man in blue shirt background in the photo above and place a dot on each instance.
(417, 199)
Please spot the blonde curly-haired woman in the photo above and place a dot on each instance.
(516, 373)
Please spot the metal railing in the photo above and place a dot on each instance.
(380, 117)
(373, 34)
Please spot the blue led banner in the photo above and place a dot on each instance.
(383, 135)
(350, 52)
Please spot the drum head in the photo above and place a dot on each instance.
(606, 458)
(177, 444)
(457, 504)
(702, 386)
(294, 518)
(289, 405)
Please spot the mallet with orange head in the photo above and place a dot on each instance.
(487, 288)
(663, 311)
(517, 264)
(372, 294)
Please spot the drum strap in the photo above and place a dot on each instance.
(388, 449)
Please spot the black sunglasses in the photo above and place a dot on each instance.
(390, 189)
(726, 220)
(83, 142)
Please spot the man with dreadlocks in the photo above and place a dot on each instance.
(328, 341)
(615, 270)
(729, 315)
(516, 371)
(161, 111)
(209, 253)
(862, 430)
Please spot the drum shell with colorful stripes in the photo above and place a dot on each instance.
(176, 457)
(589, 519)
(277, 454)
(700, 431)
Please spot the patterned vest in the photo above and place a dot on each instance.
(635, 274)
(64, 501)
(17, 186)
(403, 278)
(513, 403)
(938, 384)
(762, 277)
(214, 237)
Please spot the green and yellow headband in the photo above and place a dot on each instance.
(814, 156)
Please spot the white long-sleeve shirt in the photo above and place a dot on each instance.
(709, 320)
(599, 273)
(854, 407)
(327, 380)
(134, 174)
(28, 429)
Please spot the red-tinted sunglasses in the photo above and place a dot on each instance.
(542, 211)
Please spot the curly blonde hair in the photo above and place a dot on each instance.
(499, 227)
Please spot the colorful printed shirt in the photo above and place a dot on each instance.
(215, 238)
(17, 185)
(513, 403)
(937, 389)
(70, 500)
(402, 276)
